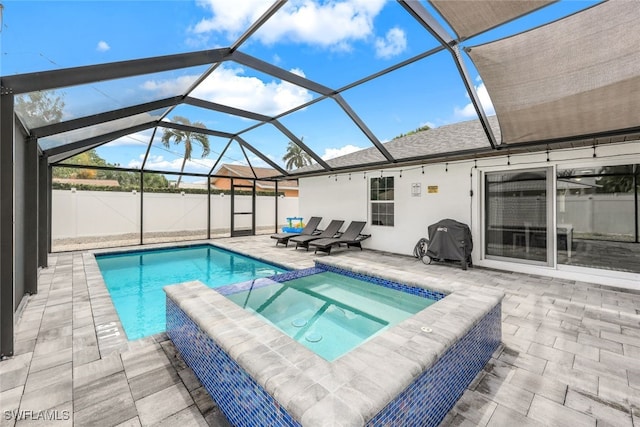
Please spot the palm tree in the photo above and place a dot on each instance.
(188, 137)
(296, 157)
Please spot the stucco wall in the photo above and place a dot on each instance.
(348, 199)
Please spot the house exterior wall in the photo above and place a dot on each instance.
(455, 183)
(225, 184)
(350, 202)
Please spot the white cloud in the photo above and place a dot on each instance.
(394, 43)
(231, 87)
(469, 112)
(333, 24)
(330, 153)
(138, 138)
(230, 20)
(103, 46)
(158, 162)
(171, 87)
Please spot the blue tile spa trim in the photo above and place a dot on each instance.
(430, 397)
(425, 402)
(241, 399)
(296, 274)
(413, 290)
(267, 281)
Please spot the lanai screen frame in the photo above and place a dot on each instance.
(37, 186)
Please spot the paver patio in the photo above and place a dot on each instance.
(570, 353)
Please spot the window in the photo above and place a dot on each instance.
(382, 212)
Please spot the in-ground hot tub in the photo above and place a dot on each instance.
(407, 374)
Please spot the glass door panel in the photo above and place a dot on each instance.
(597, 216)
(517, 215)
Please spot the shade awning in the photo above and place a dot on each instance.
(470, 17)
(573, 77)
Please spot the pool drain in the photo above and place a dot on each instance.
(313, 337)
(299, 323)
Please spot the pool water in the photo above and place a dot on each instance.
(330, 313)
(135, 280)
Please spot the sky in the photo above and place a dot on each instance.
(330, 42)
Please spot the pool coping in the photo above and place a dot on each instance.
(359, 384)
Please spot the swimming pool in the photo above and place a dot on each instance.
(135, 279)
(327, 312)
(410, 373)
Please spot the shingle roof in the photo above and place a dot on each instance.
(446, 139)
(242, 171)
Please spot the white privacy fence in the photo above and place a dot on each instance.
(108, 213)
(612, 214)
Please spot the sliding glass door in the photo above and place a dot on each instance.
(518, 215)
(598, 215)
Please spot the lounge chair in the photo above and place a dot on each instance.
(351, 237)
(308, 230)
(331, 230)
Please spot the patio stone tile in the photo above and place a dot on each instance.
(44, 348)
(143, 360)
(61, 415)
(10, 402)
(551, 354)
(601, 343)
(553, 414)
(99, 390)
(615, 359)
(613, 414)
(93, 371)
(55, 375)
(577, 348)
(517, 343)
(538, 384)
(133, 422)
(13, 372)
(546, 322)
(187, 417)
(162, 404)
(505, 394)
(112, 411)
(523, 360)
(50, 360)
(173, 355)
(85, 345)
(534, 335)
(475, 408)
(216, 418)
(600, 369)
(616, 391)
(153, 381)
(203, 400)
(509, 328)
(598, 325)
(500, 369)
(47, 397)
(575, 378)
(634, 379)
(621, 338)
(188, 378)
(503, 416)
